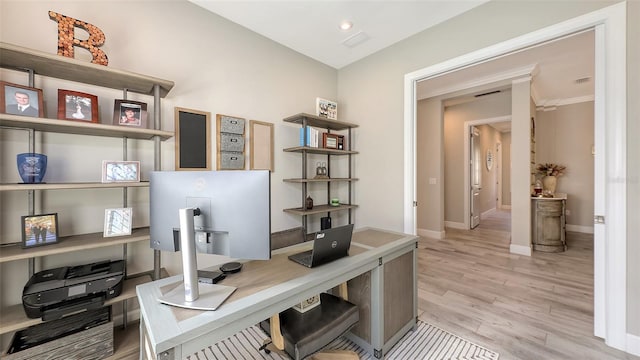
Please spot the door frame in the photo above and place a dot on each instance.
(610, 293)
(467, 159)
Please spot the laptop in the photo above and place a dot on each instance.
(329, 244)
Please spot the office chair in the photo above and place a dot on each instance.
(304, 334)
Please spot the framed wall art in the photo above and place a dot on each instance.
(333, 141)
(39, 230)
(130, 113)
(117, 222)
(74, 105)
(193, 139)
(21, 100)
(120, 171)
(327, 109)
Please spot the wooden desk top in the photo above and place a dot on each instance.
(263, 288)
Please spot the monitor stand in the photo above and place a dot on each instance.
(193, 295)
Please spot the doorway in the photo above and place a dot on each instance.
(610, 102)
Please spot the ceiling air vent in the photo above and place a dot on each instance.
(487, 93)
(355, 39)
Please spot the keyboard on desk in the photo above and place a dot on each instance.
(303, 258)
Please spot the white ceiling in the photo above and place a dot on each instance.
(312, 28)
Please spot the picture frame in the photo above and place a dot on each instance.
(261, 145)
(77, 106)
(130, 113)
(327, 109)
(120, 171)
(117, 222)
(39, 230)
(333, 141)
(13, 95)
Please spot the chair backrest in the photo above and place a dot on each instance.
(287, 237)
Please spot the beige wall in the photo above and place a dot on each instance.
(506, 168)
(455, 116)
(565, 136)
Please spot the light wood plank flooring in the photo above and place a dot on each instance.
(538, 307)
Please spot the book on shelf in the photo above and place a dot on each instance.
(312, 136)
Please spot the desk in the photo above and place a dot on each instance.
(381, 274)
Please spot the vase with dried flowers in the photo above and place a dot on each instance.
(550, 173)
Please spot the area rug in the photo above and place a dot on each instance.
(426, 342)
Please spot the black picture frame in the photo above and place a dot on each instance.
(39, 230)
(136, 109)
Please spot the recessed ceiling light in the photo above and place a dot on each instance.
(346, 25)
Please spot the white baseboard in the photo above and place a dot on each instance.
(580, 228)
(633, 344)
(455, 225)
(505, 207)
(431, 233)
(520, 250)
(487, 213)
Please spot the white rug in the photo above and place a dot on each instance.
(427, 342)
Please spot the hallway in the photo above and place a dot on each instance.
(538, 307)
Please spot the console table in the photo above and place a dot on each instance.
(548, 223)
(381, 274)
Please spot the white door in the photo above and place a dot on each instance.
(475, 171)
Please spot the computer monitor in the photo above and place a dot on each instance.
(235, 211)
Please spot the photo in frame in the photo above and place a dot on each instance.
(327, 109)
(117, 222)
(120, 171)
(39, 230)
(21, 100)
(74, 105)
(130, 113)
(333, 141)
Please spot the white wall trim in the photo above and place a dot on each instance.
(502, 77)
(431, 233)
(633, 344)
(610, 104)
(455, 225)
(548, 105)
(505, 207)
(580, 228)
(520, 250)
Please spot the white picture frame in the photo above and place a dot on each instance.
(327, 109)
(117, 222)
(120, 171)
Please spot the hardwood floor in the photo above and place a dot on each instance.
(538, 307)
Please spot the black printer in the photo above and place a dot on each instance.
(53, 293)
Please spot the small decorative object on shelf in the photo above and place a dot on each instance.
(38, 230)
(120, 171)
(332, 141)
(21, 100)
(130, 113)
(335, 202)
(549, 173)
(117, 222)
(73, 105)
(327, 108)
(321, 171)
(32, 167)
(309, 203)
(67, 39)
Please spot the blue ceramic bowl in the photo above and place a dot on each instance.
(32, 167)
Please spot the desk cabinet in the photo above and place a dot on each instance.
(548, 224)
